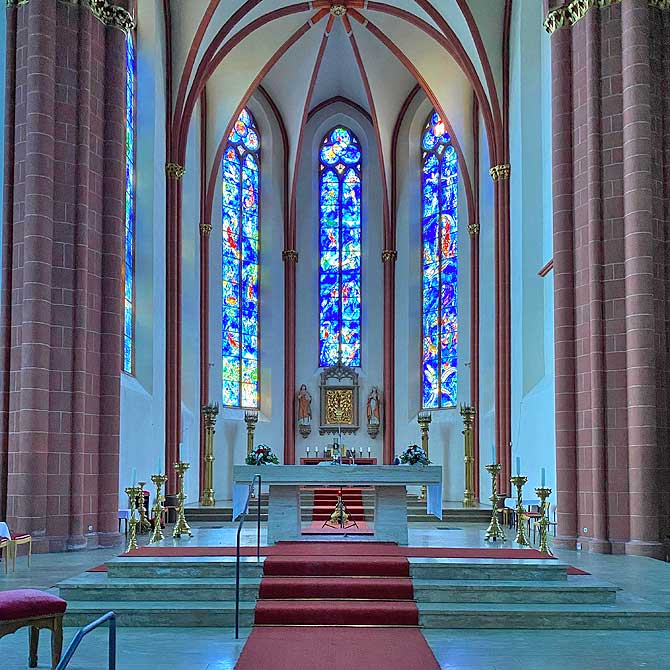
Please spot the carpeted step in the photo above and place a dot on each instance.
(336, 566)
(336, 613)
(388, 588)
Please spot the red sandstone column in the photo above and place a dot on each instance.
(639, 272)
(290, 260)
(564, 326)
(389, 258)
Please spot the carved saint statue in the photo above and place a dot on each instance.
(304, 410)
(373, 412)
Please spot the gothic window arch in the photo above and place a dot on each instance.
(240, 264)
(340, 249)
(439, 193)
(128, 267)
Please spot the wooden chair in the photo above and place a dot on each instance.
(37, 609)
(551, 517)
(18, 539)
(5, 551)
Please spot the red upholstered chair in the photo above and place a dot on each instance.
(37, 609)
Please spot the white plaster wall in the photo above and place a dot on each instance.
(307, 363)
(143, 395)
(446, 440)
(533, 438)
(230, 437)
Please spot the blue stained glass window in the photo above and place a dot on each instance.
(340, 249)
(240, 169)
(439, 188)
(128, 267)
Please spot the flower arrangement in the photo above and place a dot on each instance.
(414, 455)
(262, 455)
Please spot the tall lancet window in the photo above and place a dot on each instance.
(340, 249)
(128, 268)
(439, 188)
(240, 267)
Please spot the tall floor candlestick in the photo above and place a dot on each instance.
(543, 492)
(424, 420)
(157, 509)
(131, 492)
(468, 414)
(209, 413)
(181, 527)
(494, 531)
(251, 419)
(519, 481)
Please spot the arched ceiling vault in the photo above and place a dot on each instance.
(371, 53)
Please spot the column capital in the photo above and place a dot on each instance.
(205, 228)
(174, 170)
(103, 10)
(473, 229)
(501, 171)
(389, 256)
(289, 255)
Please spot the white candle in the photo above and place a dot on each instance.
(518, 466)
(159, 466)
(369, 452)
(543, 477)
(181, 445)
(307, 452)
(133, 477)
(361, 452)
(493, 454)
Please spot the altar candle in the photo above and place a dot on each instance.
(361, 452)
(133, 477)
(307, 452)
(543, 473)
(181, 444)
(369, 452)
(493, 454)
(159, 466)
(518, 466)
(316, 451)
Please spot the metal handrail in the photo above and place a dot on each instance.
(243, 516)
(83, 632)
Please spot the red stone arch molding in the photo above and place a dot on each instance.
(194, 77)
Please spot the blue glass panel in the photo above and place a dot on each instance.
(239, 268)
(340, 249)
(439, 183)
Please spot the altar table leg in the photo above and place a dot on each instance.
(283, 513)
(391, 514)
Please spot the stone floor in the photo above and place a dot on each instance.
(216, 649)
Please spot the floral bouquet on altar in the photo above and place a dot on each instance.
(262, 455)
(414, 455)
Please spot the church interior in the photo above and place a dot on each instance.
(334, 334)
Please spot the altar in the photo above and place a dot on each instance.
(389, 482)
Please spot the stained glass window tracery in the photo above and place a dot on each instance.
(340, 249)
(439, 188)
(240, 264)
(128, 267)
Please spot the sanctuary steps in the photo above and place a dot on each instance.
(450, 593)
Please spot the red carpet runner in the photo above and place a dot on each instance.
(335, 611)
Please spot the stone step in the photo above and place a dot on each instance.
(624, 614)
(576, 590)
(98, 586)
(488, 569)
(173, 613)
(160, 568)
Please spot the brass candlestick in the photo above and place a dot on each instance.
(131, 492)
(468, 414)
(424, 420)
(181, 527)
(520, 538)
(251, 419)
(543, 492)
(209, 413)
(157, 509)
(144, 523)
(494, 531)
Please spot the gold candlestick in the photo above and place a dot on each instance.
(424, 420)
(209, 413)
(494, 531)
(251, 419)
(144, 523)
(468, 414)
(543, 492)
(157, 509)
(519, 481)
(181, 527)
(131, 492)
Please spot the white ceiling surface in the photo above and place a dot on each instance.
(390, 82)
